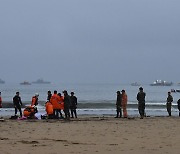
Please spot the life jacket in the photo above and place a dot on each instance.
(55, 99)
(49, 108)
(34, 101)
(29, 111)
(61, 103)
(124, 99)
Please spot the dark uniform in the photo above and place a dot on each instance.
(119, 105)
(178, 103)
(17, 103)
(141, 102)
(73, 105)
(169, 103)
(67, 102)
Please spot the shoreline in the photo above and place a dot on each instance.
(102, 135)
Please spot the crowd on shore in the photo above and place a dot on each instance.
(122, 99)
(56, 104)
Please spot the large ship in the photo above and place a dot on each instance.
(161, 83)
(135, 84)
(41, 81)
(25, 83)
(1, 81)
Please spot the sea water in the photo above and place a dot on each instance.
(94, 99)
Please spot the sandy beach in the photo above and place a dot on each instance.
(103, 135)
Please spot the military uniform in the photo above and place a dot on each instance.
(141, 103)
(169, 104)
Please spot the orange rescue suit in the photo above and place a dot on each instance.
(124, 104)
(29, 111)
(61, 103)
(34, 100)
(49, 108)
(55, 99)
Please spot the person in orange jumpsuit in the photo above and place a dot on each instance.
(61, 105)
(55, 99)
(34, 101)
(124, 103)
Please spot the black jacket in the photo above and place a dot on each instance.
(17, 100)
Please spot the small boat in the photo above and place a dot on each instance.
(161, 83)
(25, 83)
(135, 84)
(178, 90)
(1, 81)
(41, 81)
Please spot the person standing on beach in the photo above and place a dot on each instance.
(17, 103)
(67, 102)
(178, 103)
(49, 95)
(73, 105)
(0, 101)
(118, 105)
(141, 102)
(169, 103)
(124, 103)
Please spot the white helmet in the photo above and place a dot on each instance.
(36, 94)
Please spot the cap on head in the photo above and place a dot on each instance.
(141, 88)
(72, 92)
(36, 94)
(123, 90)
(118, 92)
(17, 92)
(64, 91)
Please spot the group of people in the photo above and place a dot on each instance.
(57, 103)
(121, 103)
(54, 105)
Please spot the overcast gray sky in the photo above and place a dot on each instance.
(114, 41)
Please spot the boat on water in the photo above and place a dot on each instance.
(161, 83)
(135, 84)
(1, 81)
(25, 83)
(174, 91)
(41, 81)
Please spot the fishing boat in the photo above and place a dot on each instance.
(41, 81)
(25, 83)
(135, 84)
(1, 81)
(161, 83)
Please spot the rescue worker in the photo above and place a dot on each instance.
(17, 103)
(49, 110)
(0, 101)
(118, 105)
(169, 103)
(73, 105)
(124, 103)
(55, 102)
(67, 103)
(30, 112)
(141, 102)
(178, 103)
(49, 95)
(61, 105)
(34, 101)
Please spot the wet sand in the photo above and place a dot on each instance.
(103, 135)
